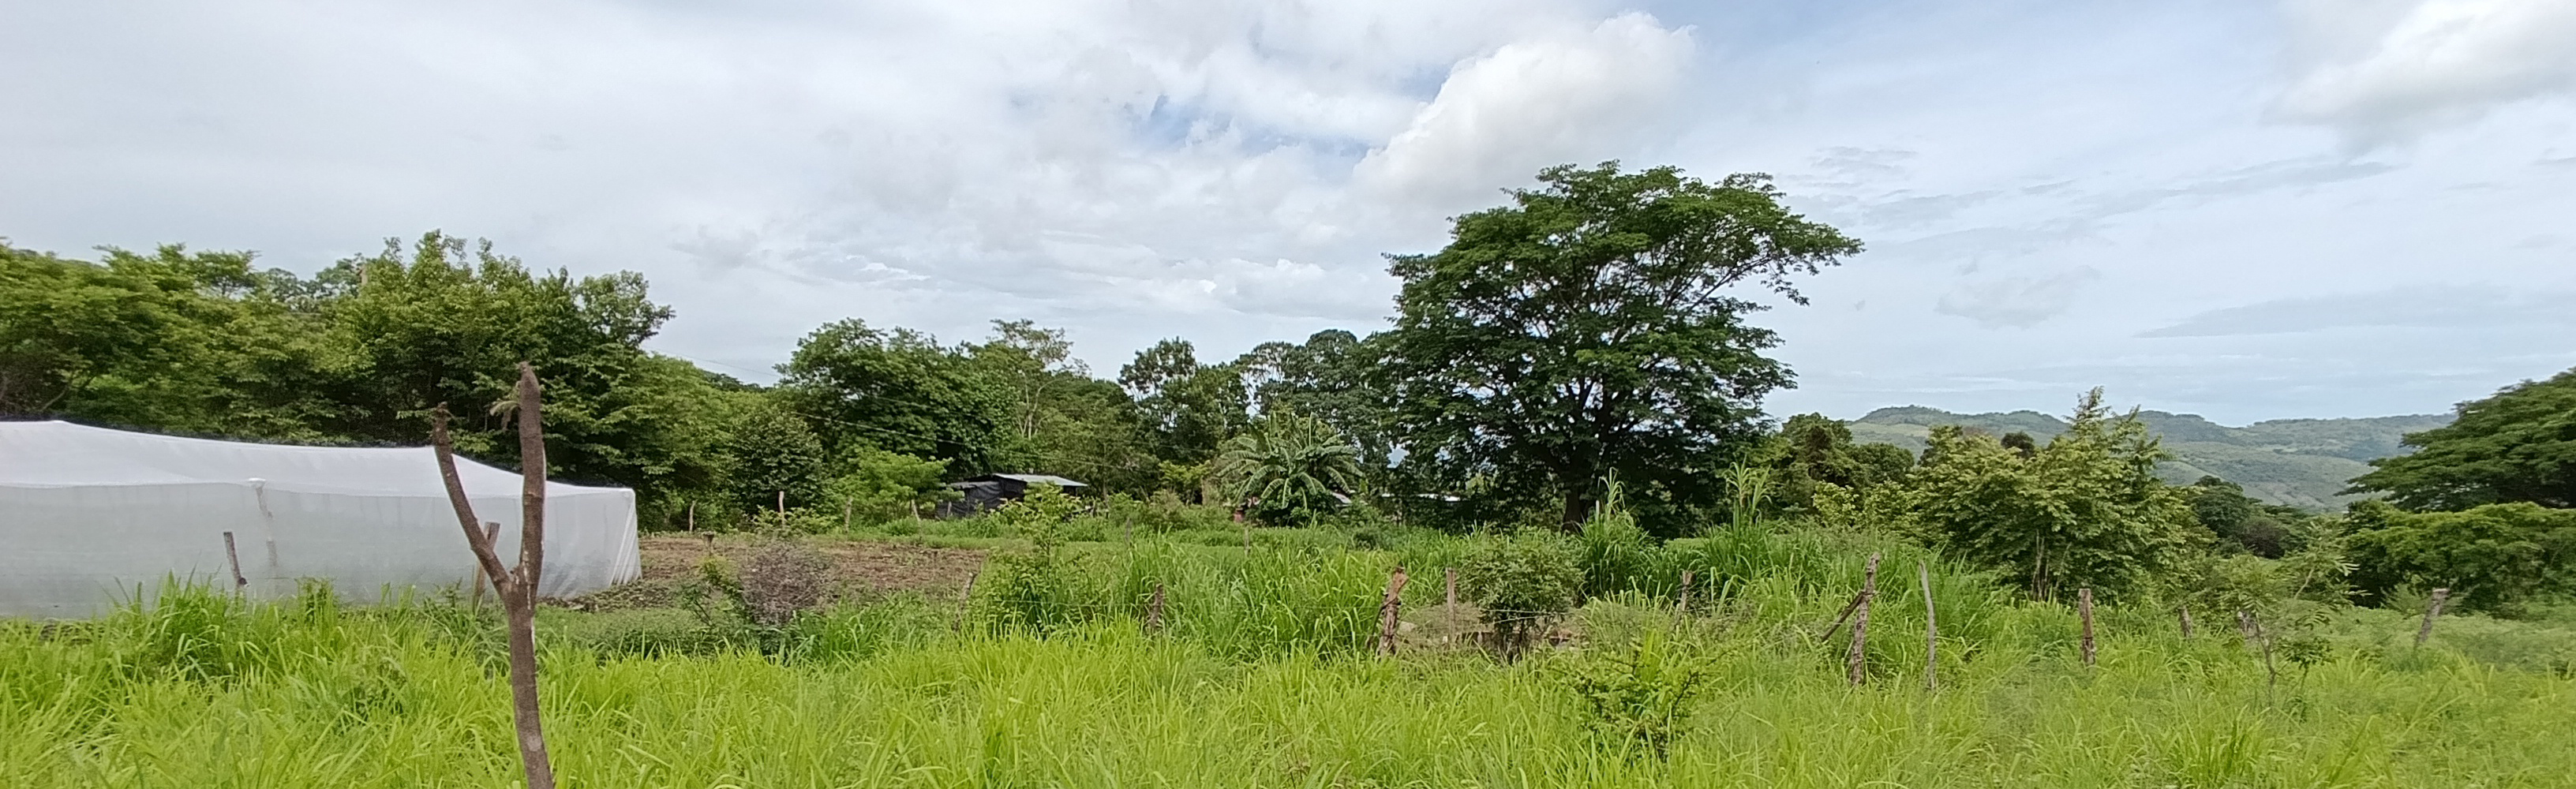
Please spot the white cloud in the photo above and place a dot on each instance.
(1572, 97)
(2391, 70)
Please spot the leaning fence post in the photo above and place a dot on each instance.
(234, 557)
(2432, 610)
(1154, 610)
(2185, 612)
(1682, 605)
(1389, 611)
(2084, 609)
(1854, 665)
(1931, 632)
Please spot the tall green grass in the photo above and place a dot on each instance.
(1263, 679)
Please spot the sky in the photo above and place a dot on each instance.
(2243, 209)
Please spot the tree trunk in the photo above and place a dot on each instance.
(518, 586)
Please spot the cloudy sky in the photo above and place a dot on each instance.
(2247, 210)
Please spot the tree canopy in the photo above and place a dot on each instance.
(1588, 329)
(2516, 446)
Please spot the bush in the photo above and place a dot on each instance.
(1639, 696)
(1523, 581)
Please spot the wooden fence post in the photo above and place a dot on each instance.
(1682, 605)
(1854, 665)
(1389, 612)
(2432, 610)
(233, 557)
(966, 598)
(1449, 589)
(846, 504)
(1154, 611)
(782, 510)
(693, 516)
(1931, 632)
(2185, 612)
(2084, 608)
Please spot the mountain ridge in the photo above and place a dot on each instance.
(2299, 462)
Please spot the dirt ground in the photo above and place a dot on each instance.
(858, 568)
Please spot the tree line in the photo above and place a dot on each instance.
(1592, 333)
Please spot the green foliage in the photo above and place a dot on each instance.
(2493, 557)
(1816, 450)
(1638, 698)
(878, 485)
(1327, 377)
(1522, 581)
(2516, 446)
(1040, 514)
(899, 390)
(1616, 553)
(1289, 467)
(1586, 330)
(2086, 510)
(1189, 408)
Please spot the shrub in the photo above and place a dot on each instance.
(1639, 696)
(1522, 581)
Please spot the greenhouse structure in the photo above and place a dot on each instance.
(91, 517)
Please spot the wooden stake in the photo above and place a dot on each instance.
(1931, 632)
(782, 510)
(846, 504)
(693, 516)
(1854, 664)
(1389, 612)
(1154, 611)
(1682, 605)
(1449, 588)
(2432, 610)
(234, 557)
(2185, 613)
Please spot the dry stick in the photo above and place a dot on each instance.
(846, 504)
(2185, 612)
(1682, 606)
(2245, 625)
(518, 587)
(2084, 609)
(1853, 664)
(1389, 610)
(782, 510)
(966, 598)
(2431, 611)
(1931, 632)
(1154, 611)
(1840, 618)
(234, 557)
(693, 516)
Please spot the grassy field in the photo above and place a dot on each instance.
(1263, 677)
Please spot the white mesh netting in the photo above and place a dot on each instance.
(91, 516)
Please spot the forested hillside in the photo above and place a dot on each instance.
(2298, 462)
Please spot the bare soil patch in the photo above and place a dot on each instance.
(858, 568)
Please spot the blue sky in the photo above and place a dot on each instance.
(2247, 210)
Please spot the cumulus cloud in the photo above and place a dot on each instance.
(1568, 97)
(2392, 69)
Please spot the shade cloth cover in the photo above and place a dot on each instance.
(90, 516)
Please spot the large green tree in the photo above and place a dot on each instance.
(2518, 445)
(2493, 557)
(902, 391)
(1189, 408)
(1590, 328)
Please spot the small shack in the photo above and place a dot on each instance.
(988, 491)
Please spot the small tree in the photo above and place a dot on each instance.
(517, 585)
(2085, 510)
(1291, 464)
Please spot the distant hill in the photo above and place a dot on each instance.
(2299, 462)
